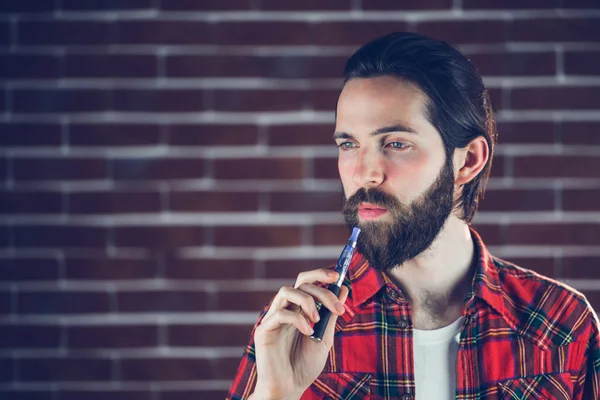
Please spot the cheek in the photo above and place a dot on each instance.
(346, 168)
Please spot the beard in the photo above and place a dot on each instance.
(414, 227)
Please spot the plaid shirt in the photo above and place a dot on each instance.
(524, 337)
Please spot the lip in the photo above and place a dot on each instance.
(371, 211)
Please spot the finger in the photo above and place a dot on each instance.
(285, 317)
(329, 331)
(324, 296)
(290, 296)
(316, 275)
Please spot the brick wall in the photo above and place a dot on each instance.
(167, 165)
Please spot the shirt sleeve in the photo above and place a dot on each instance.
(588, 384)
(245, 377)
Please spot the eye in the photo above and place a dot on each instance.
(346, 145)
(397, 145)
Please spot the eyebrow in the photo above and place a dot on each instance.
(380, 131)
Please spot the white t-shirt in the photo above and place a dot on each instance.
(435, 354)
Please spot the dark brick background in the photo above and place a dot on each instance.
(167, 165)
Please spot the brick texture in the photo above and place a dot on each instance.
(167, 165)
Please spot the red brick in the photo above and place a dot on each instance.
(544, 266)
(164, 32)
(209, 269)
(26, 7)
(29, 336)
(509, 4)
(112, 336)
(557, 166)
(325, 168)
(160, 237)
(25, 394)
(294, 135)
(263, 33)
(581, 133)
(212, 135)
(208, 335)
(289, 269)
(526, 132)
(60, 100)
(581, 200)
(5, 32)
(352, 33)
(194, 5)
(518, 200)
(64, 369)
(114, 202)
(578, 234)
(63, 302)
(257, 236)
(555, 98)
(585, 29)
(154, 168)
(113, 134)
(60, 236)
(6, 302)
(306, 5)
(109, 394)
(193, 394)
(324, 100)
(305, 201)
(102, 268)
(30, 134)
(110, 65)
(64, 32)
(71, 168)
(30, 202)
(101, 5)
(243, 301)
(324, 235)
(466, 32)
(281, 67)
(28, 269)
(490, 233)
(5, 236)
(583, 267)
(514, 64)
(581, 63)
(172, 100)
(256, 168)
(498, 166)
(260, 100)
(177, 369)
(213, 201)
(496, 99)
(161, 300)
(29, 66)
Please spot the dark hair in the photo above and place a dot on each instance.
(458, 105)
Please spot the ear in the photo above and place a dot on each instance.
(470, 160)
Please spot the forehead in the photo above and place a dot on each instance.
(370, 103)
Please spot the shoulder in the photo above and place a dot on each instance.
(547, 311)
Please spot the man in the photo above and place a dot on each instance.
(426, 312)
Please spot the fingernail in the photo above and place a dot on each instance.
(340, 307)
(316, 316)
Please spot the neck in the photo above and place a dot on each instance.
(436, 282)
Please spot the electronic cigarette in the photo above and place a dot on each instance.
(335, 288)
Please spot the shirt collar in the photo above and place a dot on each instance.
(367, 281)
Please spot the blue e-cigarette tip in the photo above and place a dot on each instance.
(355, 232)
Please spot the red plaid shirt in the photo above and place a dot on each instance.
(524, 337)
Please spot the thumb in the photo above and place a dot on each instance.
(329, 331)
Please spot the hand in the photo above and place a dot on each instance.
(287, 360)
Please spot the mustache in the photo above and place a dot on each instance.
(373, 196)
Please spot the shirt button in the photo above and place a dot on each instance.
(407, 396)
(403, 324)
(393, 295)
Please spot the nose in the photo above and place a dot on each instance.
(369, 170)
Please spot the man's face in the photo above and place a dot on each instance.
(397, 183)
